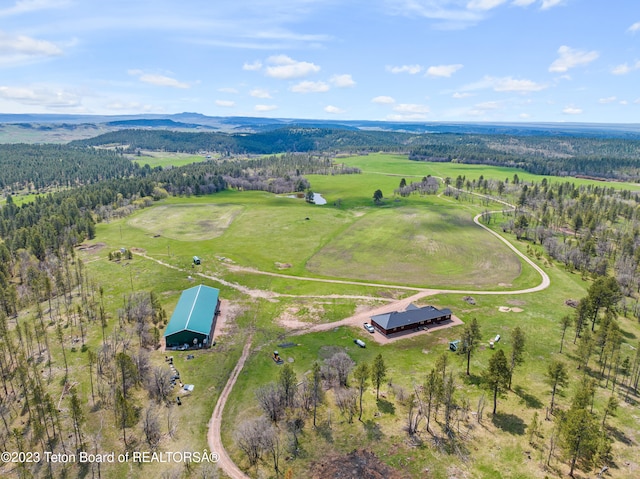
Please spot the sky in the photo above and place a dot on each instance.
(392, 60)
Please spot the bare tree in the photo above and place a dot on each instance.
(346, 400)
(414, 415)
(151, 427)
(272, 445)
(341, 365)
(159, 384)
(249, 437)
(271, 400)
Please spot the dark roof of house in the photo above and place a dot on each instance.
(412, 315)
(194, 311)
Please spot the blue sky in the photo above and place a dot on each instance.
(405, 60)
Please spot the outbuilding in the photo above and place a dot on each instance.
(193, 321)
(413, 317)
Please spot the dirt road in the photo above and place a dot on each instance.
(213, 437)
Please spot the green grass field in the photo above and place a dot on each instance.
(426, 241)
(164, 159)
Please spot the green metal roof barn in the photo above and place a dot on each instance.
(193, 321)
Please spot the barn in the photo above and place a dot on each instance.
(413, 317)
(194, 319)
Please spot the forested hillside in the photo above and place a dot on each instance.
(290, 139)
(563, 156)
(38, 166)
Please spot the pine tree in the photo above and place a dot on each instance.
(496, 376)
(378, 373)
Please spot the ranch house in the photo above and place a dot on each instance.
(194, 319)
(413, 317)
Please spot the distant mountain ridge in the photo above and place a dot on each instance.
(197, 121)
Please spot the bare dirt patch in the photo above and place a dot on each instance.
(289, 319)
(507, 309)
(355, 465)
(91, 248)
(225, 322)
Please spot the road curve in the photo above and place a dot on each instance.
(214, 438)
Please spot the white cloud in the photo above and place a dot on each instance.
(410, 69)
(333, 109)
(521, 86)
(265, 107)
(484, 4)
(505, 84)
(572, 110)
(26, 6)
(634, 28)
(458, 95)
(16, 49)
(259, 93)
(451, 15)
(625, 68)
(570, 58)
(524, 116)
(257, 65)
(383, 100)
(411, 108)
(523, 3)
(546, 4)
(483, 108)
(158, 80)
(624, 102)
(228, 90)
(605, 101)
(342, 81)
(444, 71)
(488, 105)
(284, 68)
(44, 96)
(225, 103)
(310, 87)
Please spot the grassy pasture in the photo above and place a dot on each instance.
(262, 229)
(418, 246)
(187, 222)
(414, 241)
(400, 165)
(164, 159)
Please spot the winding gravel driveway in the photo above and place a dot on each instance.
(214, 438)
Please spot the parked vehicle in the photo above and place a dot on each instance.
(360, 343)
(368, 327)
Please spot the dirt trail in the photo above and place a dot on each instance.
(214, 438)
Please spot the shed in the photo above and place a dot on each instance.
(193, 321)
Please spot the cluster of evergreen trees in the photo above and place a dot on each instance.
(35, 167)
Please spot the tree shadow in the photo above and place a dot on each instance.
(374, 433)
(472, 379)
(386, 407)
(509, 423)
(627, 334)
(324, 430)
(529, 400)
(620, 436)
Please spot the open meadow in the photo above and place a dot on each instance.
(275, 260)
